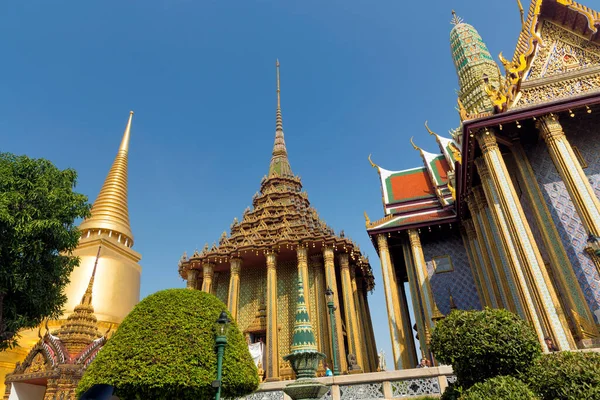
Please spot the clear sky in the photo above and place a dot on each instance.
(358, 77)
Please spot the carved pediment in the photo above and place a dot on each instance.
(563, 52)
(38, 364)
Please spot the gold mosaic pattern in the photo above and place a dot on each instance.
(287, 276)
(223, 286)
(251, 291)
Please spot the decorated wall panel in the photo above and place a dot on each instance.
(253, 286)
(583, 135)
(458, 279)
(287, 295)
(223, 286)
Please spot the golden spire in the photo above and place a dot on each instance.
(429, 130)
(280, 164)
(81, 327)
(415, 146)
(110, 211)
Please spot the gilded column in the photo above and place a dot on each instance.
(272, 328)
(360, 321)
(496, 296)
(474, 265)
(331, 282)
(503, 273)
(581, 192)
(559, 261)
(417, 300)
(364, 324)
(233, 296)
(542, 292)
(207, 278)
(320, 308)
(371, 337)
(431, 310)
(392, 300)
(192, 278)
(350, 310)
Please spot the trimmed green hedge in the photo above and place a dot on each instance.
(499, 388)
(485, 344)
(165, 349)
(566, 376)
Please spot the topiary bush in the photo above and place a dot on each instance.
(566, 376)
(452, 392)
(484, 344)
(165, 349)
(500, 387)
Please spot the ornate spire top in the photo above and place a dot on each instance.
(456, 19)
(81, 327)
(280, 164)
(110, 211)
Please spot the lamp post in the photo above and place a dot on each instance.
(334, 344)
(221, 327)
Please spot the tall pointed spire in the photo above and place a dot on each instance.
(110, 211)
(81, 327)
(280, 164)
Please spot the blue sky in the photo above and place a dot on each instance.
(358, 77)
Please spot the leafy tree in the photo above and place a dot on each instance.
(485, 344)
(165, 349)
(500, 387)
(566, 376)
(38, 208)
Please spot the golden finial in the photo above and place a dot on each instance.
(278, 87)
(429, 130)
(87, 296)
(462, 110)
(367, 220)
(522, 12)
(372, 163)
(108, 330)
(46, 326)
(40, 331)
(414, 145)
(452, 303)
(110, 211)
(456, 19)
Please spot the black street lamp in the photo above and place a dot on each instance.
(334, 345)
(221, 328)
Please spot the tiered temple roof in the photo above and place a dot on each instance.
(281, 218)
(420, 195)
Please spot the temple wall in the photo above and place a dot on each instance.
(26, 391)
(223, 286)
(564, 214)
(459, 281)
(287, 295)
(253, 283)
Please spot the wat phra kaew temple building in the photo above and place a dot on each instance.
(102, 291)
(506, 214)
(255, 269)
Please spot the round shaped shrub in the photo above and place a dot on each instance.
(484, 344)
(500, 387)
(567, 375)
(165, 349)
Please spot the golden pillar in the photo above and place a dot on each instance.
(350, 311)
(474, 265)
(560, 264)
(272, 328)
(582, 194)
(207, 278)
(417, 302)
(331, 281)
(192, 279)
(392, 300)
(489, 267)
(233, 295)
(542, 292)
(503, 274)
(321, 314)
(429, 306)
(360, 321)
